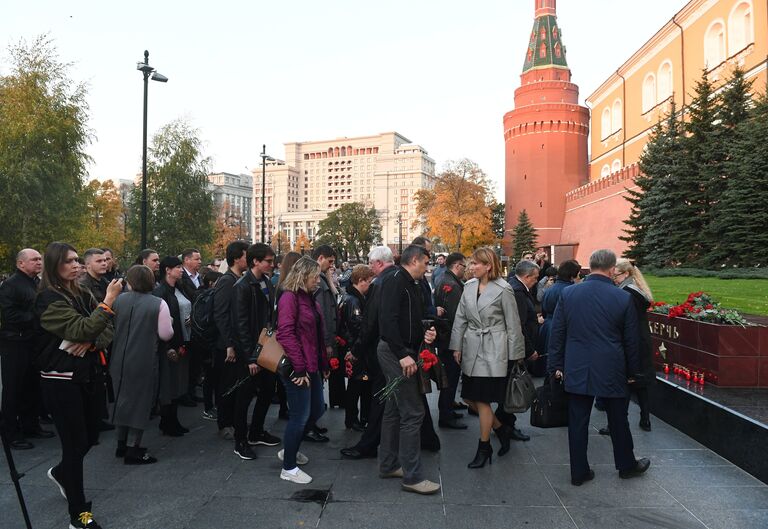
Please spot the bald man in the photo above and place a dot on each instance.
(21, 383)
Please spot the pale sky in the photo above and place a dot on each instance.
(440, 72)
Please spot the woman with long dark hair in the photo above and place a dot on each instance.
(286, 264)
(174, 364)
(141, 320)
(75, 331)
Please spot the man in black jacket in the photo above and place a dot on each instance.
(401, 314)
(21, 381)
(253, 304)
(325, 295)
(95, 270)
(525, 278)
(191, 285)
(224, 350)
(448, 293)
(382, 262)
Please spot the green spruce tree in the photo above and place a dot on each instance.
(701, 174)
(523, 236)
(734, 104)
(659, 197)
(742, 220)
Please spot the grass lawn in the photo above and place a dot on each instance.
(749, 296)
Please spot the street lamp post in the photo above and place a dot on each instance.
(146, 70)
(264, 160)
(400, 232)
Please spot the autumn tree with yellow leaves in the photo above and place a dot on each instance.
(458, 209)
(102, 223)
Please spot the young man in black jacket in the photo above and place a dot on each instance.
(402, 332)
(224, 350)
(21, 381)
(253, 304)
(448, 291)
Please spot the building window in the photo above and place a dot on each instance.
(714, 45)
(649, 92)
(543, 50)
(740, 29)
(666, 81)
(616, 123)
(616, 166)
(606, 123)
(605, 171)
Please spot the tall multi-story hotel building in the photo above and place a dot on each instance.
(383, 171)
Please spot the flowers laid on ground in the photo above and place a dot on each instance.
(427, 360)
(700, 306)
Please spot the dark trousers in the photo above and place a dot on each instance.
(210, 393)
(196, 352)
(371, 438)
(357, 390)
(336, 388)
(429, 438)
(579, 411)
(402, 422)
(263, 387)
(75, 411)
(21, 389)
(226, 377)
(448, 394)
(643, 400)
(305, 405)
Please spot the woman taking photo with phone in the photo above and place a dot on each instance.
(75, 330)
(300, 333)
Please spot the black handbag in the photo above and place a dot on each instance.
(520, 390)
(550, 407)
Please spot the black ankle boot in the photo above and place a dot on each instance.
(135, 455)
(120, 450)
(484, 453)
(503, 434)
(168, 421)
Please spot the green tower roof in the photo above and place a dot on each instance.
(545, 48)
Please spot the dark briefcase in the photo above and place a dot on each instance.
(550, 406)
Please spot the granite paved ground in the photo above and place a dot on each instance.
(199, 483)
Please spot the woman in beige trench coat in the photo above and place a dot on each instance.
(485, 338)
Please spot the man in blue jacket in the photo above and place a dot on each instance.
(593, 347)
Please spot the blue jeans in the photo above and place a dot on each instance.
(304, 404)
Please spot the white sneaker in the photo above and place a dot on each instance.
(301, 459)
(301, 477)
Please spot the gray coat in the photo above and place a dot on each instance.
(487, 330)
(134, 363)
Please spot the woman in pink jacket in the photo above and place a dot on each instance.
(300, 332)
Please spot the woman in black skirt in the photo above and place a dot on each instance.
(486, 338)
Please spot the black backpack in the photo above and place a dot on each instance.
(203, 325)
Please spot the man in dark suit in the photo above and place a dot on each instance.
(191, 285)
(525, 279)
(448, 291)
(593, 347)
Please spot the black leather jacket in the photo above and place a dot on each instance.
(17, 307)
(352, 315)
(251, 312)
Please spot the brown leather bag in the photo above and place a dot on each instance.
(271, 353)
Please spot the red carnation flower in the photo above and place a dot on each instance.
(428, 358)
(334, 363)
(447, 288)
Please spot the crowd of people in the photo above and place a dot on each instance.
(88, 348)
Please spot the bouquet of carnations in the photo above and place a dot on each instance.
(700, 306)
(426, 362)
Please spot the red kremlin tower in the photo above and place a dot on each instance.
(546, 134)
